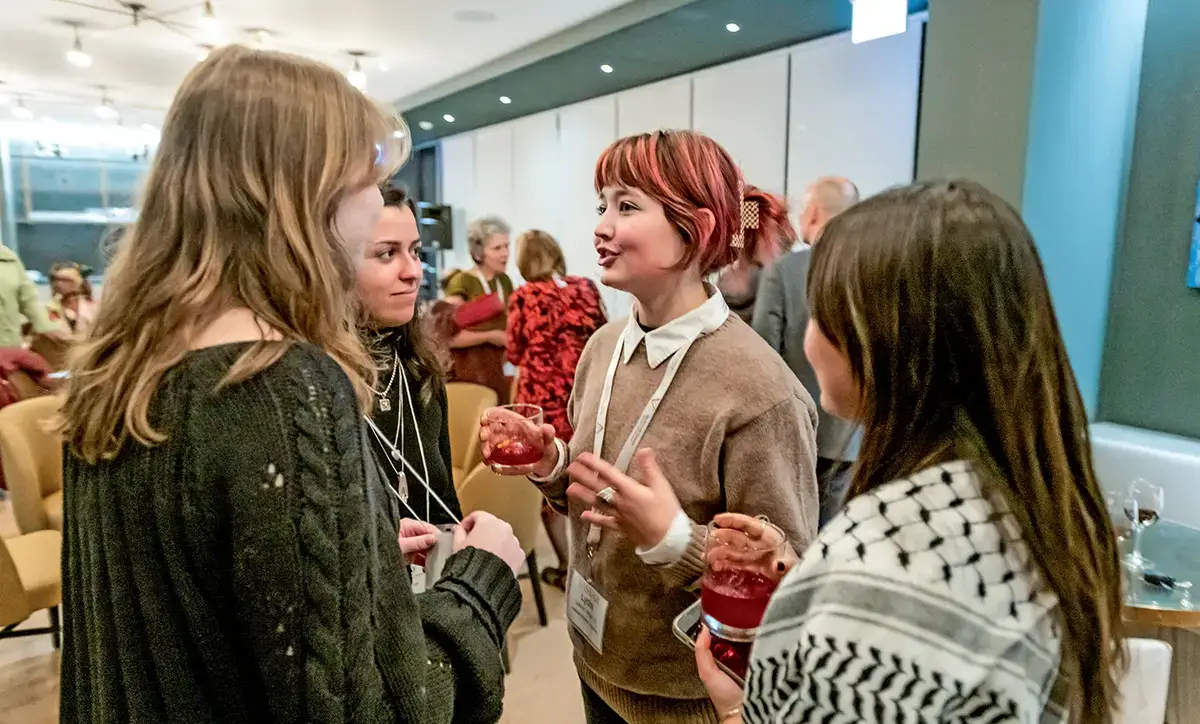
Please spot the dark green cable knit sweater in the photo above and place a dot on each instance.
(246, 569)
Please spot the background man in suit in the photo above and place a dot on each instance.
(781, 316)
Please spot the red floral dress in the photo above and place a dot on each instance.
(549, 322)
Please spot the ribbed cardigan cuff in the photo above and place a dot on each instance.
(684, 572)
(486, 584)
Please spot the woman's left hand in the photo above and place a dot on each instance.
(641, 509)
(416, 538)
(725, 693)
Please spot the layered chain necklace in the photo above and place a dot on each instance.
(404, 399)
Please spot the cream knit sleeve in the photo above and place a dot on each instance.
(769, 468)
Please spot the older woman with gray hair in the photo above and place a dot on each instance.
(477, 346)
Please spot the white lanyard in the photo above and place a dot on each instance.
(402, 495)
(487, 289)
(625, 456)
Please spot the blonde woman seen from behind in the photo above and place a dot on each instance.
(228, 553)
(972, 575)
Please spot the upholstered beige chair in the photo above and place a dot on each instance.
(32, 458)
(466, 403)
(30, 580)
(517, 502)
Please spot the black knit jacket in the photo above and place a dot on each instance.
(246, 570)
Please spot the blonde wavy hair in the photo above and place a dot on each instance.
(257, 150)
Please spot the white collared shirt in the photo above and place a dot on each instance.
(673, 336)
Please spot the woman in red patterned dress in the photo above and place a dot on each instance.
(550, 319)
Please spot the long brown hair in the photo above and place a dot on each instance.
(421, 358)
(936, 295)
(257, 150)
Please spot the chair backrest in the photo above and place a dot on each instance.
(466, 403)
(25, 385)
(32, 458)
(54, 350)
(514, 500)
(14, 602)
(1144, 687)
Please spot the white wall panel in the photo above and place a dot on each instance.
(494, 178)
(536, 201)
(659, 105)
(458, 191)
(743, 106)
(854, 111)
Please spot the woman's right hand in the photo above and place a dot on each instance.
(492, 427)
(488, 533)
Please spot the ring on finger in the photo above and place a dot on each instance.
(606, 495)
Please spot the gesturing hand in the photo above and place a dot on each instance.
(641, 508)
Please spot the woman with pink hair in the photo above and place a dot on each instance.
(680, 412)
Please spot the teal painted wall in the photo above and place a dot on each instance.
(1151, 372)
(1081, 127)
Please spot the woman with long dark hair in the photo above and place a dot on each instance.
(411, 430)
(973, 574)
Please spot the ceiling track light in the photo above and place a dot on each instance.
(208, 21)
(21, 112)
(106, 109)
(76, 56)
(356, 76)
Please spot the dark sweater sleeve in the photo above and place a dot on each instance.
(321, 590)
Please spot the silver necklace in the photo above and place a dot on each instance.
(385, 405)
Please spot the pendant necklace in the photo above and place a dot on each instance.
(385, 405)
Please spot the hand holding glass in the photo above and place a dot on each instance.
(515, 439)
(743, 567)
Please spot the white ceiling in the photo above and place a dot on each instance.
(413, 44)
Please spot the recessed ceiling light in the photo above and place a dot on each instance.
(425, 126)
(398, 133)
(505, 100)
(475, 16)
(733, 27)
(448, 118)
(606, 68)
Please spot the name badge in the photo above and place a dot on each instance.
(417, 573)
(586, 610)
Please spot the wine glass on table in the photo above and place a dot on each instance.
(514, 440)
(1143, 504)
(741, 572)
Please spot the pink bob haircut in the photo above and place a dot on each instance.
(686, 171)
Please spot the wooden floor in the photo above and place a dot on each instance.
(542, 687)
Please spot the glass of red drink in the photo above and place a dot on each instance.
(514, 440)
(741, 572)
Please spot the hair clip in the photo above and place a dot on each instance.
(749, 216)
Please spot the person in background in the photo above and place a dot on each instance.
(739, 283)
(19, 302)
(681, 412)
(973, 575)
(781, 317)
(228, 554)
(477, 348)
(550, 319)
(71, 304)
(409, 406)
